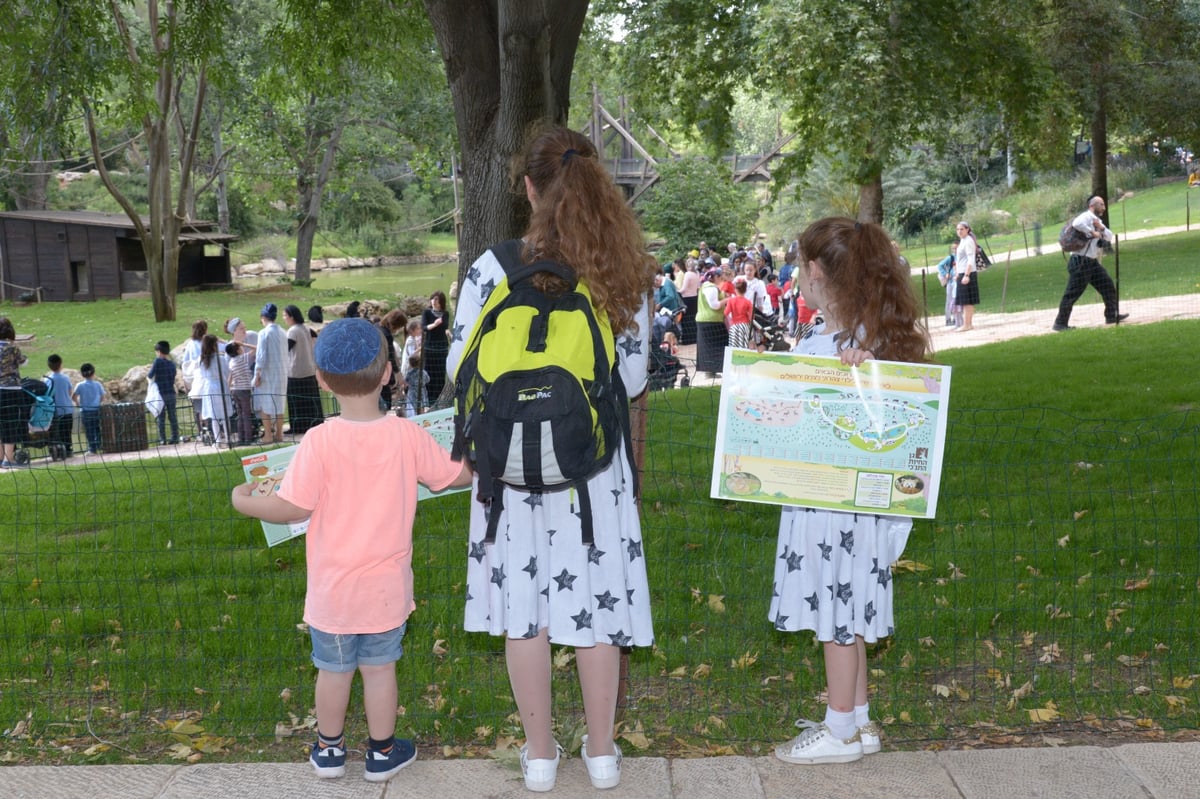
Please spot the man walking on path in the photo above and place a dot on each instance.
(1084, 268)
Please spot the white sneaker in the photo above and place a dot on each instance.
(817, 744)
(541, 773)
(603, 770)
(869, 735)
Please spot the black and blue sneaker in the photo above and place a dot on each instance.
(329, 761)
(383, 765)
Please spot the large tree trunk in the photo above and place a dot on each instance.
(221, 184)
(870, 194)
(509, 65)
(311, 188)
(159, 239)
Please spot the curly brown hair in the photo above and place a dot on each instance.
(581, 219)
(868, 285)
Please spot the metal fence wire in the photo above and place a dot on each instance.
(1056, 592)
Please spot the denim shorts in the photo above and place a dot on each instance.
(342, 652)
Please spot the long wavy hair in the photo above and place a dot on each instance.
(868, 286)
(582, 220)
(208, 349)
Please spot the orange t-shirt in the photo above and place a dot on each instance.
(359, 479)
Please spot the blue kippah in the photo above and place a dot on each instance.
(269, 311)
(347, 345)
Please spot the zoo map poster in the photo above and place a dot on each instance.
(806, 430)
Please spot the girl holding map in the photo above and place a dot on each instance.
(832, 569)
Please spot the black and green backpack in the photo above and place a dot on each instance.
(539, 403)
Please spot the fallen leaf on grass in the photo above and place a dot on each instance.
(1139, 585)
(439, 647)
(702, 671)
(636, 737)
(1055, 612)
(908, 566)
(1079, 514)
(1112, 617)
(716, 603)
(1062, 542)
(745, 661)
(562, 659)
(1019, 694)
(1047, 713)
(1182, 683)
(179, 751)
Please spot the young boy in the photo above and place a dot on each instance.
(162, 372)
(365, 466)
(64, 409)
(241, 383)
(87, 395)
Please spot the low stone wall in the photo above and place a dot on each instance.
(273, 266)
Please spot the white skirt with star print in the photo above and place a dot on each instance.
(833, 573)
(538, 574)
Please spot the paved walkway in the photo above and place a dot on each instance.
(1131, 771)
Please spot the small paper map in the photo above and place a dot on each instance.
(806, 430)
(266, 471)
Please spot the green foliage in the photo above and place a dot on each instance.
(693, 201)
(365, 200)
(242, 219)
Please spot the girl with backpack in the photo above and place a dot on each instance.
(833, 569)
(538, 583)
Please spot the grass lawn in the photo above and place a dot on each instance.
(118, 334)
(1154, 267)
(1057, 592)
(1166, 205)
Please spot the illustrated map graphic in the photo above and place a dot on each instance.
(806, 430)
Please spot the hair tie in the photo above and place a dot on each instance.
(567, 155)
(857, 226)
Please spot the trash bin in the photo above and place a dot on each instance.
(123, 427)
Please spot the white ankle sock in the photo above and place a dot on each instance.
(862, 714)
(840, 724)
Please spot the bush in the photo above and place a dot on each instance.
(695, 201)
(242, 220)
(366, 201)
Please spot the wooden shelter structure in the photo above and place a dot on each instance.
(80, 256)
(634, 168)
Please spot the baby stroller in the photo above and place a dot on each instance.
(768, 331)
(663, 370)
(40, 395)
